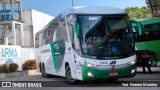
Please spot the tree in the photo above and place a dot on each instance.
(136, 13)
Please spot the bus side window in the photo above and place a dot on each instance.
(43, 38)
(76, 44)
(40, 38)
(71, 18)
(150, 35)
(37, 40)
(60, 30)
(49, 34)
(71, 28)
(136, 37)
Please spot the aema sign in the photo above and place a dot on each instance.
(10, 52)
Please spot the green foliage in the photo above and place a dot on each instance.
(136, 13)
(4, 68)
(13, 67)
(29, 65)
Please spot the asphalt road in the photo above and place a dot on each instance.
(138, 77)
(61, 84)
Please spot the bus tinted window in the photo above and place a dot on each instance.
(104, 36)
(147, 36)
(55, 31)
(47, 35)
(60, 30)
(149, 32)
(37, 40)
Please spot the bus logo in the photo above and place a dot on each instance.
(113, 67)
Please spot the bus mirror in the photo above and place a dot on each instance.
(77, 30)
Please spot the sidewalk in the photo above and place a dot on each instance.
(153, 69)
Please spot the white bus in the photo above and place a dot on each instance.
(87, 43)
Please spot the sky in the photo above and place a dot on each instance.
(55, 7)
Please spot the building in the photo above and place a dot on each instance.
(154, 7)
(17, 31)
(33, 22)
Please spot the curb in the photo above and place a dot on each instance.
(33, 72)
(18, 73)
(13, 74)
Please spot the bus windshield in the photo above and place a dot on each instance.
(106, 36)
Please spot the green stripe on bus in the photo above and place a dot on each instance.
(53, 56)
(104, 74)
(149, 45)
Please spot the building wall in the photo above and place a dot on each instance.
(34, 21)
(28, 28)
(39, 20)
(26, 54)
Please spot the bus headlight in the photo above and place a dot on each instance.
(91, 65)
(132, 62)
(88, 64)
(90, 74)
(133, 71)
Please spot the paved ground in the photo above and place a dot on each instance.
(61, 84)
(139, 76)
(154, 69)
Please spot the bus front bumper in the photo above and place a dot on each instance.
(89, 73)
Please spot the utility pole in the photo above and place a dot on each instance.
(72, 3)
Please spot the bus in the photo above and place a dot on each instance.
(147, 39)
(78, 45)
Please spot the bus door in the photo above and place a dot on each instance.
(58, 51)
(58, 45)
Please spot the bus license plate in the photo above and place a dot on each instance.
(113, 74)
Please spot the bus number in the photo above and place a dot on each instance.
(93, 40)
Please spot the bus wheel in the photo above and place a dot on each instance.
(69, 78)
(44, 74)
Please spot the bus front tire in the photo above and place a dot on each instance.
(44, 74)
(69, 78)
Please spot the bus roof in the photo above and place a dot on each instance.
(151, 24)
(90, 10)
(94, 10)
(150, 21)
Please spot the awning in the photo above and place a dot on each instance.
(154, 7)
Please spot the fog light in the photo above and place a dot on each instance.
(132, 62)
(90, 74)
(133, 70)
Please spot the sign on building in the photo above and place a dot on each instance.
(10, 52)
